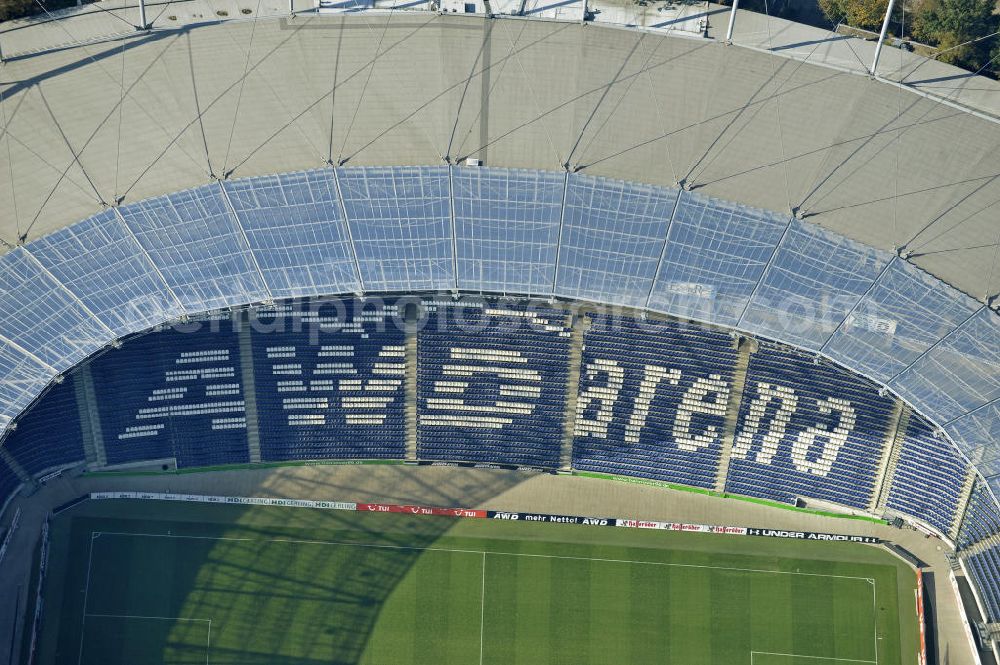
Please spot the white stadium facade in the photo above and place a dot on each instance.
(240, 153)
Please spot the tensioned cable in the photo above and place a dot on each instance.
(604, 95)
(97, 5)
(76, 157)
(534, 97)
(326, 94)
(962, 221)
(364, 88)
(885, 128)
(895, 175)
(162, 12)
(292, 33)
(333, 90)
(493, 86)
(239, 95)
(993, 265)
(777, 110)
(776, 94)
(563, 104)
(922, 61)
(660, 123)
(100, 66)
(10, 164)
(121, 105)
(480, 55)
(850, 47)
(618, 103)
(987, 180)
(280, 100)
(72, 150)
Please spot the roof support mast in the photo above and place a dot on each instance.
(732, 22)
(143, 25)
(881, 37)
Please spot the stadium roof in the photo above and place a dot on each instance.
(93, 116)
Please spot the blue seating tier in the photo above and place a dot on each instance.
(491, 383)
(982, 516)
(808, 429)
(176, 393)
(330, 381)
(929, 476)
(984, 566)
(652, 399)
(49, 434)
(8, 482)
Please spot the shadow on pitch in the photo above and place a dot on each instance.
(270, 600)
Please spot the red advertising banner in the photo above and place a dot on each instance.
(420, 510)
(920, 617)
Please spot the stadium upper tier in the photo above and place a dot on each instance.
(475, 229)
(506, 382)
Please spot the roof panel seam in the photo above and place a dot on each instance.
(156, 268)
(70, 293)
(246, 240)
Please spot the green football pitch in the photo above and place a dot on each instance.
(138, 583)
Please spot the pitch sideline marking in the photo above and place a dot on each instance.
(292, 541)
(482, 611)
(802, 655)
(208, 641)
(840, 660)
(86, 593)
(875, 613)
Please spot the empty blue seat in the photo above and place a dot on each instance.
(330, 381)
(982, 516)
(652, 399)
(929, 476)
(807, 429)
(48, 435)
(984, 567)
(174, 393)
(9, 482)
(491, 383)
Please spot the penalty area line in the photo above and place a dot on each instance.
(208, 639)
(802, 655)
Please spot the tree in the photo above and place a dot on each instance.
(866, 14)
(10, 9)
(952, 24)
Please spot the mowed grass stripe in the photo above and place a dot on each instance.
(731, 611)
(291, 600)
(432, 615)
(558, 609)
(378, 589)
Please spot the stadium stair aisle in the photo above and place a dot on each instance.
(929, 478)
(744, 348)
(580, 326)
(887, 467)
(653, 399)
(794, 398)
(90, 424)
(981, 518)
(410, 388)
(982, 561)
(964, 499)
(249, 387)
